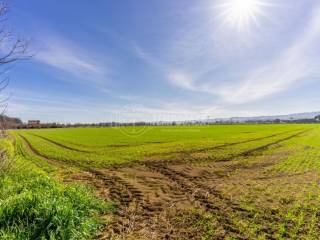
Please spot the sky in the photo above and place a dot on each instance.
(99, 61)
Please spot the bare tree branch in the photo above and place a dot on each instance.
(12, 49)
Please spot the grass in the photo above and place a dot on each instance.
(103, 147)
(34, 205)
(306, 156)
(270, 171)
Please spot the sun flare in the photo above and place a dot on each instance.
(241, 13)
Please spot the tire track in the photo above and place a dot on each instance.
(227, 144)
(262, 148)
(60, 144)
(57, 163)
(130, 200)
(137, 214)
(247, 153)
(208, 197)
(199, 195)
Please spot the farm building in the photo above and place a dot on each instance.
(34, 123)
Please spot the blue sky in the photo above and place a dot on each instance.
(98, 61)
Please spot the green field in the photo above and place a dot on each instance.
(101, 147)
(168, 182)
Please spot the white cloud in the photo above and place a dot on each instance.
(65, 55)
(293, 64)
(181, 79)
(176, 77)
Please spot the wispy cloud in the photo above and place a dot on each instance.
(295, 63)
(181, 79)
(257, 80)
(147, 57)
(177, 77)
(69, 57)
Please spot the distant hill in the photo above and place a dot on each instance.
(289, 117)
(9, 122)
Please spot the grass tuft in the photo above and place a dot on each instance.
(35, 206)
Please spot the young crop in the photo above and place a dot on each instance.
(195, 182)
(36, 206)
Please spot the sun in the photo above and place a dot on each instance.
(241, 14)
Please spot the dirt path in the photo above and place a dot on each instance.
(151, 195)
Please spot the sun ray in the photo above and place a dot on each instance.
(241, 14)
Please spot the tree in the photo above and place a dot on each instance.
(11, 49)
(317, 118)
